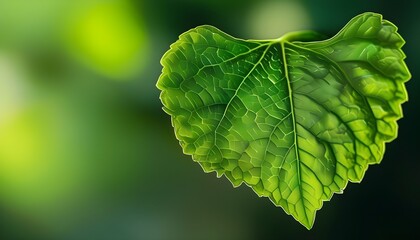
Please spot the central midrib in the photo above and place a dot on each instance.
(295, 143)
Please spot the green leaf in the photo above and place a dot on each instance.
(293, 120)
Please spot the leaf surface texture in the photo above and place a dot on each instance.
(294, 120)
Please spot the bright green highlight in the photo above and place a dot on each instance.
(107, 38)
(293, 120)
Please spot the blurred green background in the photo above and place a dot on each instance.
(86, 153)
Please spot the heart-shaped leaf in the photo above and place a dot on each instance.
(293, 120)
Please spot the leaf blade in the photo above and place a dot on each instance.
(293, 120)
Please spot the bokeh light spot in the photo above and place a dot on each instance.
(272, 19)
(108, 37)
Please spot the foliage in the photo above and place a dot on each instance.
(293, 119)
